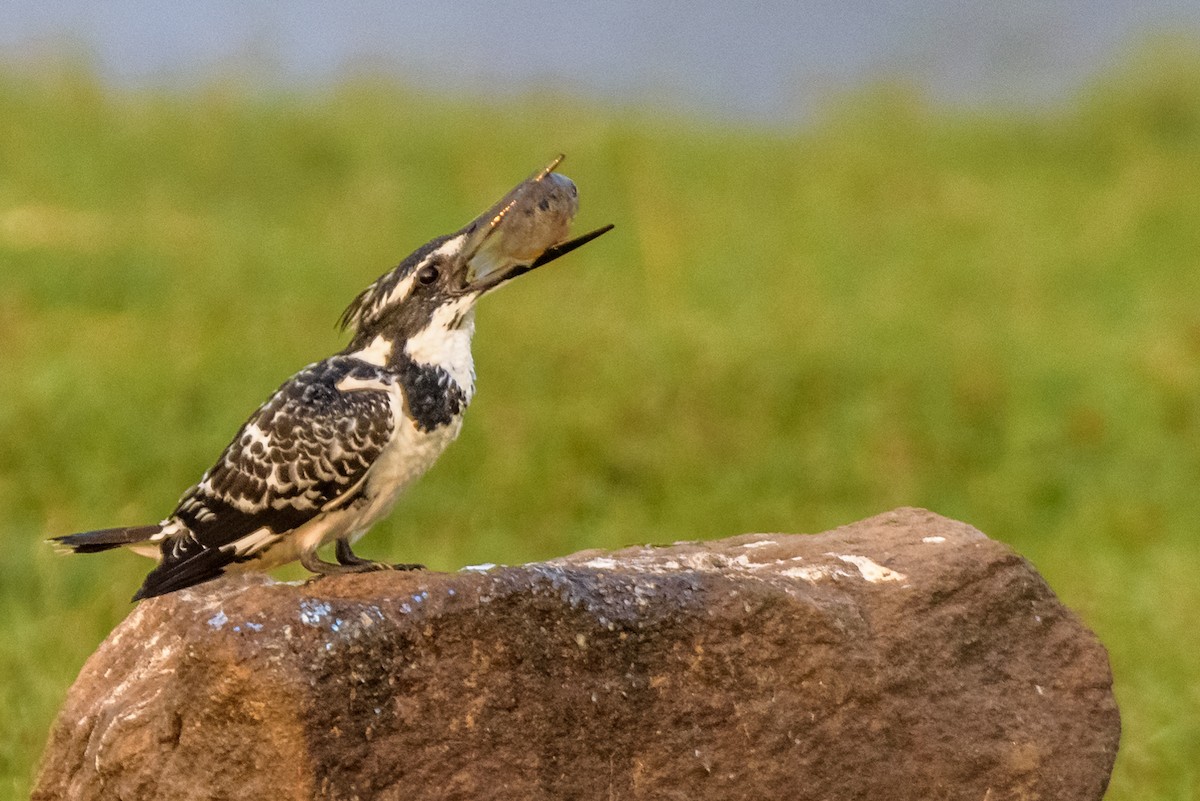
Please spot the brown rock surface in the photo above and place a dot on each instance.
(903, 657)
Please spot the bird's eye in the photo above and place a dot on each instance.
(427, 274)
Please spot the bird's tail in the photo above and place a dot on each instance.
(105, 539)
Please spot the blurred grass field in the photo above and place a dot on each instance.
(993, 316)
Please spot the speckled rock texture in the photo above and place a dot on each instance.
(903, 657)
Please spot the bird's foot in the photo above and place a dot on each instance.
(315, 564)
(370, 566)
(352, 563)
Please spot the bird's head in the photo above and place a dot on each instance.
(433, 292)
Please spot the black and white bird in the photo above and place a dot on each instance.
(329, 453)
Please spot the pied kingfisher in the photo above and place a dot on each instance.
(328, 454)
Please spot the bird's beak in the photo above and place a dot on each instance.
(525, 229)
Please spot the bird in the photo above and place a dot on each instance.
(329, 453)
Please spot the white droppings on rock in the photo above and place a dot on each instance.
(650, 561)
(813, 573)
(870, 570)
(483, 568)
(758, 544)
(933, 540)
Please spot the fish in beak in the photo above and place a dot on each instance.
(524, 230)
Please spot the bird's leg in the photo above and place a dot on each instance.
(348, 559)
(315, 564)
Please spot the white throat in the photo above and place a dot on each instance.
(442, 344)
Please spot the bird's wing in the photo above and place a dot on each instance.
(305, 451)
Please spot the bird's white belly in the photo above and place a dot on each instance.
(405, 459)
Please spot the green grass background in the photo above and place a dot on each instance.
(995, 316)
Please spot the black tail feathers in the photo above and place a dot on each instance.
(179, 573)
(106, 539)
(187, 564)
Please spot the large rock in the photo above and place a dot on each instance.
(903, 657)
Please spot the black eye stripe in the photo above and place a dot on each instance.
(427, 274)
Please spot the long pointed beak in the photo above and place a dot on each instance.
(555, 251)
(524, 230)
